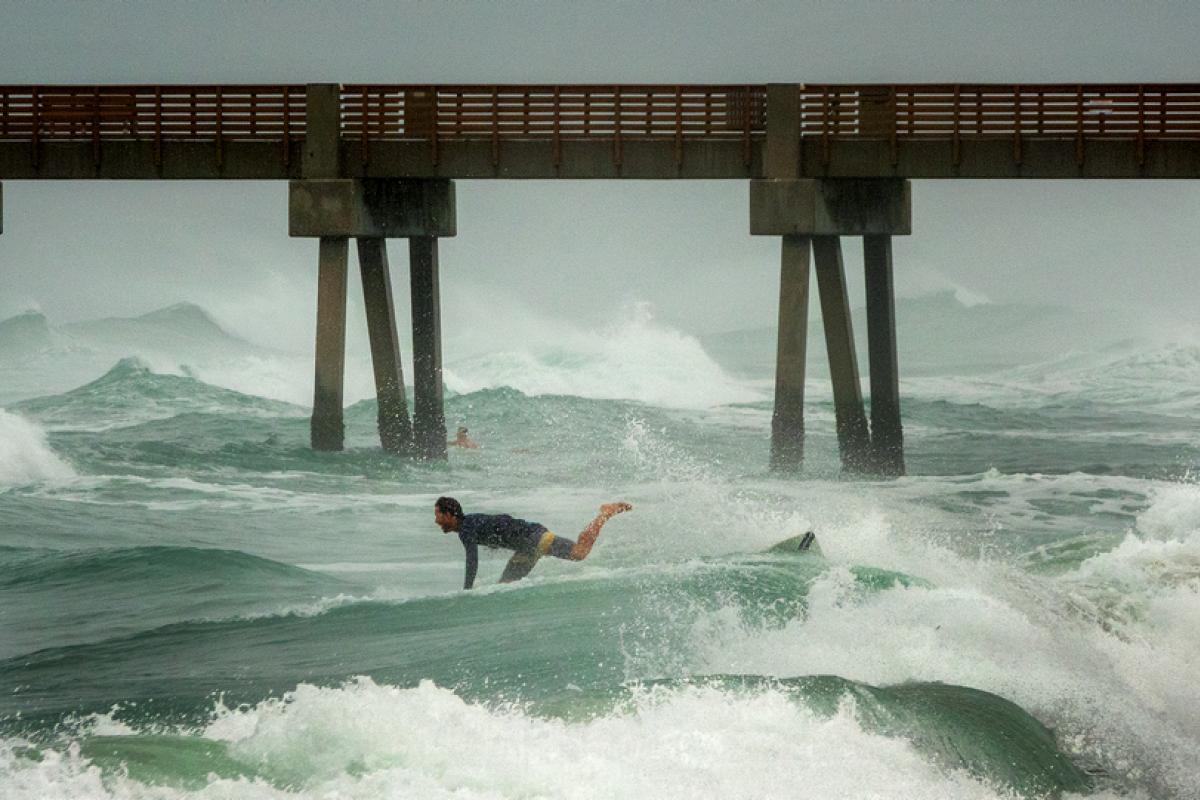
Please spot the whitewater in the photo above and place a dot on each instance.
(193, 604)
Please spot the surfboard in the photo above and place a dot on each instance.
(804, 543)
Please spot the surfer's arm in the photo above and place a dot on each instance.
(472, 551)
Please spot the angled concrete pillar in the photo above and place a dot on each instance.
(887, 434)
(328, 432)
(429, 417)
(395, 430)
(787, 421)
(854, 440)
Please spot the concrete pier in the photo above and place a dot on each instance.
(395, 429)
(328, 432)
(787, 421)
(370, 211)
(429, 419)
(803, 210)
(854, 439)
(372, 162)
(887, 435)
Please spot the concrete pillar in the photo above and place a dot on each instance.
(328, 432)
(824, 210)
(887, 435)
(1, 208)
(321, 161)
(395, 430)
(322, 131)
(782, 157)
(782, 160)
(371, 211)
(787, 421)
(429, 417)
(854, 440)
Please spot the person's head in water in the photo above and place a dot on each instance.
(447, 513)
(461, 439)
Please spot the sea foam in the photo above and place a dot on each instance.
(364, 740)
(25, 457)
(1096, 653)
(634, 358)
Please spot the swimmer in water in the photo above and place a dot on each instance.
(462, 440)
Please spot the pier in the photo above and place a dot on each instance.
(370, 163)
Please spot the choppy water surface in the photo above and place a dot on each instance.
(192, 603)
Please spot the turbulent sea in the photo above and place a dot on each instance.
(194, 604)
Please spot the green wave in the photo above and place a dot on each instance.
(79, 595)
(32, 568)
(955, 727)
(131, 390)
(184, 762)
(520, 641)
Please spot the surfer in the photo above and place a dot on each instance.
(529, 540)
(462, 440)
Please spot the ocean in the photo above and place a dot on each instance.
(195, 604)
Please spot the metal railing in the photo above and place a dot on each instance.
(153, 113)
(956, 112)
(618, 114)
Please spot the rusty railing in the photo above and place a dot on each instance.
(620, 113)
(617, 114)
(956, 112)
(153, 113)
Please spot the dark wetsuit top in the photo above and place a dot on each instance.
(495, 530)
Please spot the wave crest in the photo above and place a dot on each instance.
(635, 358)
(25, 457)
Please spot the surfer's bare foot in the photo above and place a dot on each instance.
(587, 537)
(612, 509)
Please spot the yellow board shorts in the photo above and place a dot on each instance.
(523, 561)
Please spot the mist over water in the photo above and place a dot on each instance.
(193, 603)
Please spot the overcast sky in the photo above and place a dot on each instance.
(586, 250)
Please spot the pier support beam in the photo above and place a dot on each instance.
(395, 430)
(887, 435)
(854, 439)
(370, 211)
(429, 417)
(787, 421)
(801, 210)
(328, 432)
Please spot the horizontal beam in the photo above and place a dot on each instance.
(830, 208)
(371, 208)
(835, 158)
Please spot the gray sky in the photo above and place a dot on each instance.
(579, 250)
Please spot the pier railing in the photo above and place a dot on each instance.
(556, 113)
(153, 113)
(988, 111)
(438, 114)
